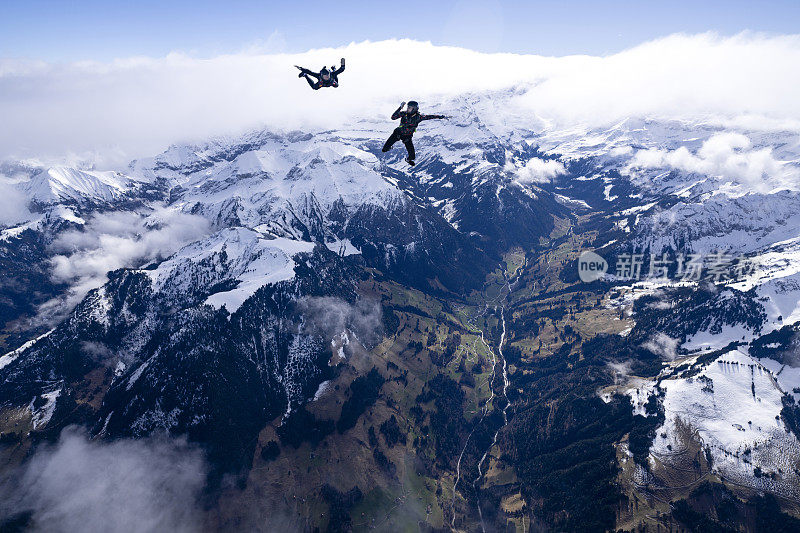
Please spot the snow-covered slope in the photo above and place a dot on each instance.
(237, 261)
(733, 407)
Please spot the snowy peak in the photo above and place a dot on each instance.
(65, 184)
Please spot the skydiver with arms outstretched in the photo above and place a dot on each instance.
(409, 120)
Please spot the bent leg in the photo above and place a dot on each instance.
(410, 147)
(313, 84)
(393, 138)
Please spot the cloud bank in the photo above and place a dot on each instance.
(126, 485)
(139, 105)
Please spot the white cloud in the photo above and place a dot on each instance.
(330, 317)
(13, 205)
(125, 485)
(728, 155)
(662, 345)
(109, 241)
(678, 76)
(620, 369)
(142, 104)
(539, 171)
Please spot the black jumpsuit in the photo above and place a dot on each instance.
(332, 81)
(405, 132)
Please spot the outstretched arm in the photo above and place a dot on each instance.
(339, 70)
(430, 117)
(396, 114)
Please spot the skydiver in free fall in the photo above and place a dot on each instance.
(323, 78)
(409, 120)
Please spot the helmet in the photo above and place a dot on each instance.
(413, 104)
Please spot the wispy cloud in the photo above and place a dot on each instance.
(13, 203)
(662, 345)
(113, 240)
(126, 485)
(621, 370)
(330, 317)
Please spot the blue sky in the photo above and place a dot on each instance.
(102, 30)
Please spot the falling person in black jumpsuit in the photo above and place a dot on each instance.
(324, 78)
(409, 120)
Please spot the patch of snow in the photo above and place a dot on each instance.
(565, 200)
(12, 233)
(66, 213)
(788, 376)
(137, 374)
(59, 183)
(12, 355)
(343, 247)
(704, 340)
(323, 388)
(41, 416)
